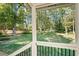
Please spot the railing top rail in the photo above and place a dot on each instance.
(21, 49)
(58, 45)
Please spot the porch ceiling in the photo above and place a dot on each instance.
(39, 5)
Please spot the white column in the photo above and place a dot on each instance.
(77, 26)
(34, 46)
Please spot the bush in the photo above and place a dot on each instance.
(25, 32)
(0, 33)
(3, 37)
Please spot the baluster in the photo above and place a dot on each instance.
(45, 51)
(54, 51)
(51, 51)
(73, 52)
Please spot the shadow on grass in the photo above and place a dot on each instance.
(53, 37)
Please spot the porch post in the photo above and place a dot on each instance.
(34, 46)
(77, 26)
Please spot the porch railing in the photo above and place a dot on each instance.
(47, 49)
(24, 51)
(55, 49)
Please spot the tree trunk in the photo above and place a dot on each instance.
(14, 31)
(40, 29)
(66, 31)
(73, 27)
(14, 25)
(4, 29)
(15, 17)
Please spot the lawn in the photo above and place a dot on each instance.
(19, 41)
(53, 37)
(15, 43)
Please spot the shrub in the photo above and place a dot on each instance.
(0, 33)
(26, 32)
(4, 38)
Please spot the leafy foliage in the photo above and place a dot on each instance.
(12, 15)
(60, 19)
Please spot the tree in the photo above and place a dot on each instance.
(60, 19)
(43, 21)
(24, 15)
(68, 19)
(5, 16)
(12, 14)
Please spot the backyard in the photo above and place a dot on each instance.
(16, 42)
(52, 25)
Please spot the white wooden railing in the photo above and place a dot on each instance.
(21, 49)
(50, 45)
(56, 49)
(58, 45)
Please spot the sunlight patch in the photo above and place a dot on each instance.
(23, 42)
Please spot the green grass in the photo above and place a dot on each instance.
(53, 37)
(17, 42)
